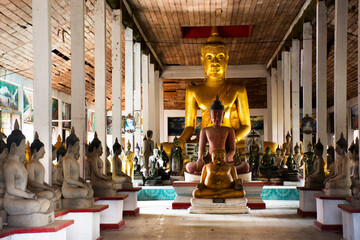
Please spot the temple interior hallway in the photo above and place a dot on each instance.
(279, 221)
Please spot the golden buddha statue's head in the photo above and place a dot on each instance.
(214, 56)
(218, 156)
(128, 145)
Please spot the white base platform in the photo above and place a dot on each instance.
(307, 201)
(86, 222)
(55, 231)
(130, 203)
(229, 206)
(329, 216)
(112, 217)
(351, 222)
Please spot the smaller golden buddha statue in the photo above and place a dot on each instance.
(128, 165)
(219, 179)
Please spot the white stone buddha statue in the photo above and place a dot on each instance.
(76, 191)
(340, 183)
(102, 184)
(21, 204)
(36, 173)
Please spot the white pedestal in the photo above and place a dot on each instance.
(246, 177)
(253, 192)
(183, 194)
(112, 217)
(307, 201)
(328, 214)
(229, 206)
(351, 222)
(86, 222)
(55, 231)
(130, 203)
(191, 177)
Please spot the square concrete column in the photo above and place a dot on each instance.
(145, 59)
(78, 76)
(157, 106)
(41, 12)
(280, 104)
(359, 69)
(340, 68)
(152, 113)
(129, 81)
(321, 77)
(273, 107)
(287, 100)
(137, 90)
(295, 91)
(116, 34)
(268, 107)
(100, 74)
(307, 77)
(163, 138)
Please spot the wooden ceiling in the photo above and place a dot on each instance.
(161, 21)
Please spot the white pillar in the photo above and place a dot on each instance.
(274, 107)
(307, 77)
(280, 104)
(163, 138)
(21, 103)
(157, 106)
(129, 80)
(116, 34)
(145, 88)
(340, 68)
(321, 78)
(78, 76)
(295, 91)
(100, 74)
(268, 108)
(287, 101)
(137, 89)
(41, 12)
(60, 126)
(152, 100)
(359, 68)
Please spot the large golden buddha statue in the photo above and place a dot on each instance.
(215, 57)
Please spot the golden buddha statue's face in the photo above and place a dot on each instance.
(218, 156)
(214, 58)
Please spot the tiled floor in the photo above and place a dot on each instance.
(158, 221)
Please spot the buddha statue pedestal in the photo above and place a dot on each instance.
(350, 221)
(77, 203)
(31, 220)
(328, 215)
(219, 205)
(307, 201)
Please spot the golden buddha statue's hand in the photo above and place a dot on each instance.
(200, 186)
(238, 185)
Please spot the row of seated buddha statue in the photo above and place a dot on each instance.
(25, 197)
(341, 178)
(26, 200)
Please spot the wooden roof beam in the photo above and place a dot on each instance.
(126, 4)
(233, 71)
(301, 12)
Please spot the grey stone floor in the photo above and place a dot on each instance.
(158, 221)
